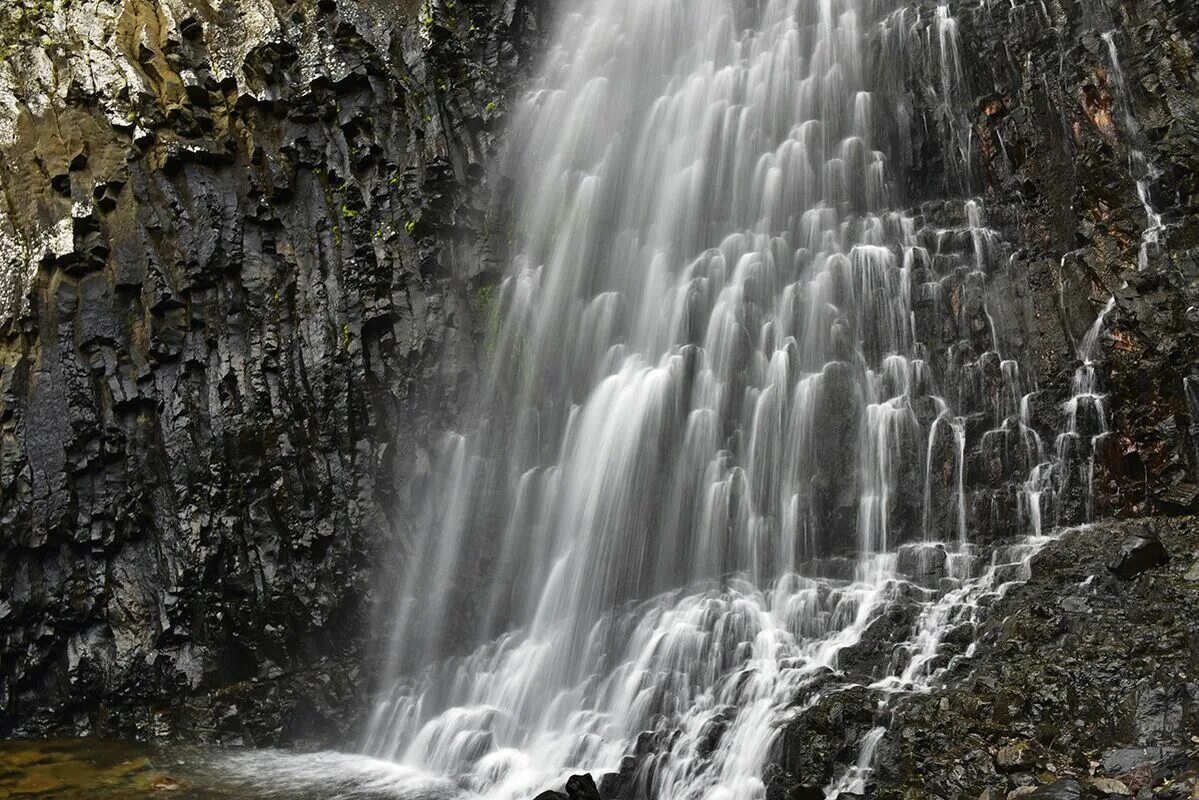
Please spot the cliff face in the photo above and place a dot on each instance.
(1085, 135)
(243, 262)
(1076, 125)
(1080, 683)
(247, 249)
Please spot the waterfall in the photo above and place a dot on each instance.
(731, 413)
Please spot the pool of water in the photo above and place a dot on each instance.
(91, 769)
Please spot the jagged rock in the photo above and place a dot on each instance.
(1105, 690)
(619, 785)
(582, 787)
(236, 304)
(1137, 554)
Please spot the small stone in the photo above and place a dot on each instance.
(1015, 756)
(1111, 786)
(1192, 574)
(1059, 790)
(1075, 605)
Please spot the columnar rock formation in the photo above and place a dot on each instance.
(242, 269)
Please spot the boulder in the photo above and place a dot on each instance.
(582, 787)
(1137, 554)
(1015, 756)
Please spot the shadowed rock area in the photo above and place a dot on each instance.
(243, 261)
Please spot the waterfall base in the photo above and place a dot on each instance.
(1079, 680)
(1072, 674)
(1076, 675)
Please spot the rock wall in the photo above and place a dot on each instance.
(243, 261)
(1081, 681)
(1057, 144)
(1074, 125)
(246, 250)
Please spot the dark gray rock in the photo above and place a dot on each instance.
(582, 787)
(1123, 760)
(1137, 554)
(1048, 689)
(1067, 789)
(217, 384)
(620, 785)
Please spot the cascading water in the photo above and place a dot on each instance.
(1086, 413)
(1141, 169)
(727, 412)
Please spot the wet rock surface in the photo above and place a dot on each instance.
(1074, 103)
(245, 272)
(1082, 685)
(1137, 554)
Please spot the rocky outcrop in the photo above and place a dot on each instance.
(1080, 675)
(1078, 683)
(1080, 127)
(244, 255)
